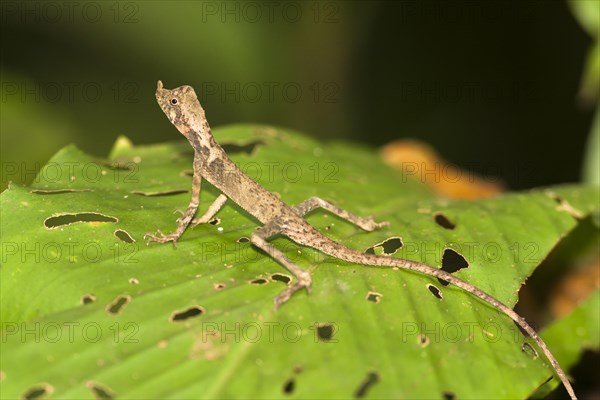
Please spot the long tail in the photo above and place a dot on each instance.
(337, 250)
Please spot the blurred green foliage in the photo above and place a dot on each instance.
(587, 14)
(483, 82)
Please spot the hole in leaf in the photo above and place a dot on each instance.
(443, 221)
(118, 304)
(277, 277)
(371, 379)
(38, 391)
(392, 245)
(124, 236)
(68, 219)
(259, 281)
(215, 221)
(163, 193)
(100, 391)
(243, 239)
(387, 247)
(187, 172)
(219, 286)
(452, 262)
(374, 297)
(423, 340)
(133, 281)
(248, 148)
(529, 350)
(87, 298)
(435, 291)
(289, 386)
(191, 312)
(58, 191)
(297, 369)
(447, 395)
(325, 331)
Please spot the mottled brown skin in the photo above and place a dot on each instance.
(183, 109)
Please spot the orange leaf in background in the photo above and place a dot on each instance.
(422, 162)
(576, 287)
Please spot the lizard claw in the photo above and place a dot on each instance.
(382, 224)
(160, 238)
(197, 221)
(370, 225)
(178, 220)
(304, 282)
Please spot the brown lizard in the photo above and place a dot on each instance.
(183, 109)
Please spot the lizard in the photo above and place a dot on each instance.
(211, 162)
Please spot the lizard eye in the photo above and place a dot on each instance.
(173, 102)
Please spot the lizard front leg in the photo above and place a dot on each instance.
(186, 218)
(184, 221)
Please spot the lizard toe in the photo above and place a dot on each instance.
(383, 224)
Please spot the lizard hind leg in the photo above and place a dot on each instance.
(259, 239)
(367, 224)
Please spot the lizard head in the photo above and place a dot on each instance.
(182, 108)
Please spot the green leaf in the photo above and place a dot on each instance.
(581, 328)
(85, 313)
(586, 13)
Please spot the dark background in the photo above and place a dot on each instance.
(492, 85)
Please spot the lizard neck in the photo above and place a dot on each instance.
(206, 146)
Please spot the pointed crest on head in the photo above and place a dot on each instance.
(182, 108)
